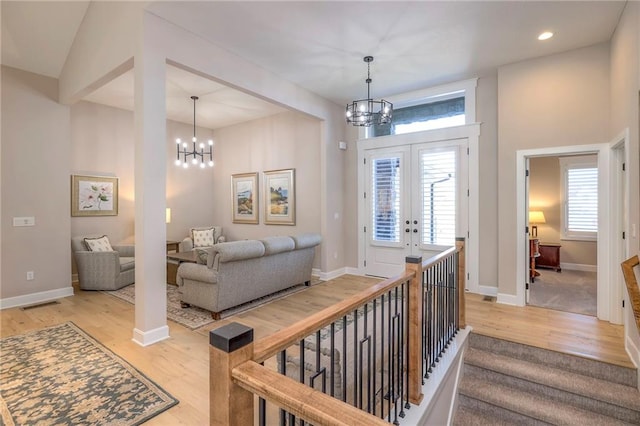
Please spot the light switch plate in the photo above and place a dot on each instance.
(24, 221)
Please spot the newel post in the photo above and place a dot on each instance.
(416, 299)
(229, 404)
(462, 279)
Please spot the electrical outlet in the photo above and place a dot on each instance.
(31, 275)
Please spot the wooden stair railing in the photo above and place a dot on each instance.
(632, 286)
(236, 373)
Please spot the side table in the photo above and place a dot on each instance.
(173, 246)
(174, 260)
(549, 256)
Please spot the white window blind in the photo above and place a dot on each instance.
(438, 169)
(580, 198)
(385, 201)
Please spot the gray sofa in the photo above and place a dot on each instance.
(240, 271)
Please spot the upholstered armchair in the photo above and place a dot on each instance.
(103, 267)
(204, 237)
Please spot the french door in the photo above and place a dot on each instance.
(415, 201)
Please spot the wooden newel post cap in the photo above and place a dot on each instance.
(413, 259)
(231, 337)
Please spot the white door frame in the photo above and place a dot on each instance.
(469, 131)
(608, 306)
(619, 189)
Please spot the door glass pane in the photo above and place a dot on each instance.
(385, 202)
(438, 173)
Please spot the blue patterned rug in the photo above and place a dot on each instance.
(62, 376)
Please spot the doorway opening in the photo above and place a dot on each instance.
(563, 230)
(610, 229)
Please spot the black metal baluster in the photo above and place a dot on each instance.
(332, 360)
(344, 359)
(302, 378)
(355, 357)
(283, 371)
(375, 357)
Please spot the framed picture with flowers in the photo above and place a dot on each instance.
(94, 195)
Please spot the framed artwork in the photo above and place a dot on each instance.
(244, 198)
(280, 197)
(94, 195)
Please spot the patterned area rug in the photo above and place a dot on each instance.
(61, 375)
(193, 317)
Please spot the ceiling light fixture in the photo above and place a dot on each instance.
(194, 153)
(366, 112)
(545, 35)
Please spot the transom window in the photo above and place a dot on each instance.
(433, 108)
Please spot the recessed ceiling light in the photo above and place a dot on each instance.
(545, 35)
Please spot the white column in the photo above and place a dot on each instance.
(150, 192)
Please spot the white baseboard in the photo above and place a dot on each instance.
(146, 338)
(487, 290)
(35, 298)
(326, 276)
(347, 270)
(632, 351)
(508, 299)
(579, 267)
(440, 390)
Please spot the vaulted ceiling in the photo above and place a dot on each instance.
(319, 45)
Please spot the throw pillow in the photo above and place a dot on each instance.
(202, 256)
(202, 237)
(98, 244)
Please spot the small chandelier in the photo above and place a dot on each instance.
(366, 112)
(182, 147)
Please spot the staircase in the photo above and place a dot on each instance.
(507, 383)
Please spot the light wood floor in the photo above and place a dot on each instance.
(180, 363)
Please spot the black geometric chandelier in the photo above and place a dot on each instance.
(366, 112)
(194, 152)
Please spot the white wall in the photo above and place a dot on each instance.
(557, 100)
(487, 114)
(283, 141)
(545, 195)
(190, 192)
(35, 182)
(102, 143)
(625, 84)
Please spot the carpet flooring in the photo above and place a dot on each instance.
(194, 317)
(569, 291)
(61, 376)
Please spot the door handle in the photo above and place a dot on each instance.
(415, 231)
(415, 222)
(407, 230)
(407, 222)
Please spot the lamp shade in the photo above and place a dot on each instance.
(536, 216)
(168, 215)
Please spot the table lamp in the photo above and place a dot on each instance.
(535, 217)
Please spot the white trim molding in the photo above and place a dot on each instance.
(578, 267)
(146, 338)
(35, 298)
(605, 292)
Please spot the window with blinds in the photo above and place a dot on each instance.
(580, 178)
(438, 172)
(385, 200)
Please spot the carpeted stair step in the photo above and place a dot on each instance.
(512, 383)
(565, 362)
(502, 402)
(589, 393)
(474, 412)
(470, 413)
